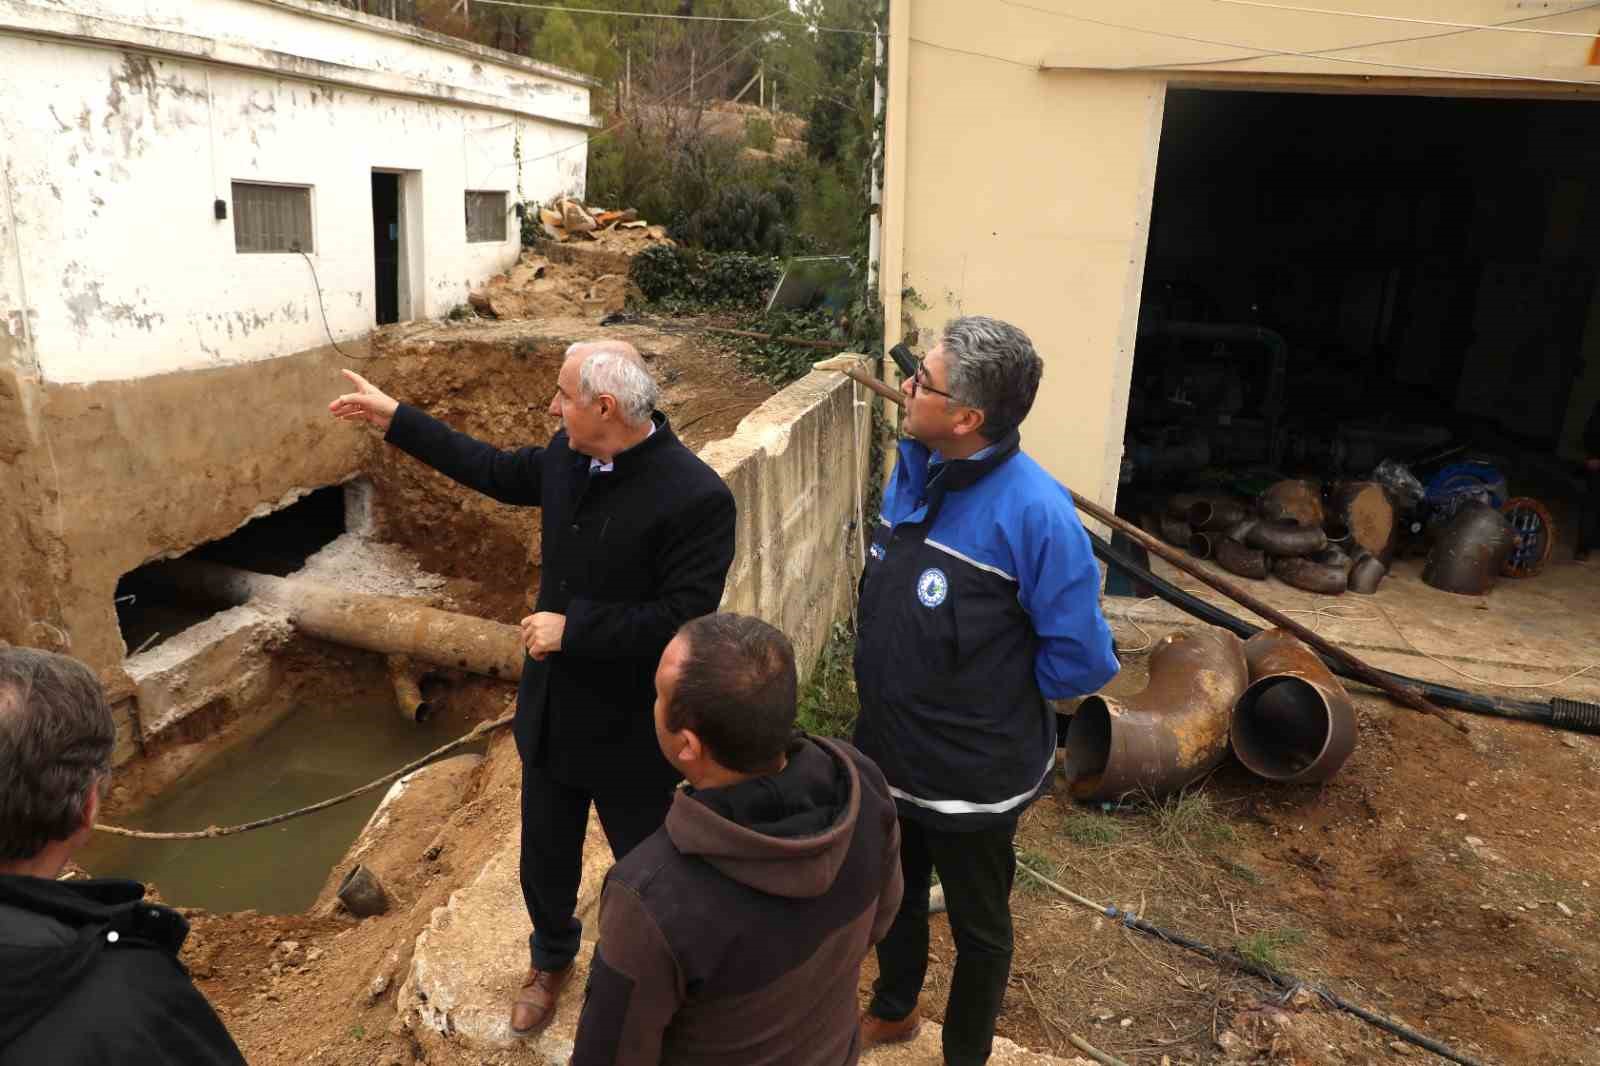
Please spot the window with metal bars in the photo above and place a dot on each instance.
(486, 216)
(271, 218)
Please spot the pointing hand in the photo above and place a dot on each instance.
(367, 404)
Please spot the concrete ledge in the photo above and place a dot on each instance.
(224, 658)
(471, 958)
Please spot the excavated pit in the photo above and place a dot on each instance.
(240, 716)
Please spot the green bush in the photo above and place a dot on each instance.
(760, 134)
(689, 277)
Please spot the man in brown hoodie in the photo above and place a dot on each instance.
(735, 934)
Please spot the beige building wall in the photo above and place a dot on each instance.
(1020, 154)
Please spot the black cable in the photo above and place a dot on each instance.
(323, 307)
(1574, 715)
(1290, 985)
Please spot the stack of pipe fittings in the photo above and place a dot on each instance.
(1343, 545)
(1270, 699)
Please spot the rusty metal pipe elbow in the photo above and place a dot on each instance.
(1294, 723)
(1235, 558)
(1467, 557)
(1173, 731)
(1285, 537)
(1366, 573)
(1202, 545)
(1330, 579)
(1175, 531)
(1215, 515)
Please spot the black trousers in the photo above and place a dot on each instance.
(1589, 524)
(555, 819)
(976, 869)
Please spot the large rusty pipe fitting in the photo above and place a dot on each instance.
(1468, 556)
(1365, 574)
(406, 680)
(1292, 500)
(1170, 733)
(1338, 534)
(1285, 537)
(1294, 723)
(1235, 558)
(1312, 576)
(1202, 545)
(1175, 531)
(1216, 515)
(1367, 512)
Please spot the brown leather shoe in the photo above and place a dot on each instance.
(536, 1000)
(876, 1030)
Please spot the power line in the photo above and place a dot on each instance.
(1454, 72)
(1470, 26)
(672, 18)
(668, 96)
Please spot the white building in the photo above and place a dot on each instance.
(165, 161)
(195, 197)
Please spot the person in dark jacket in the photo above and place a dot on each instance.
(1589, 524)
(979, 602)
(89, 971)
(636, 537)
(735, 934)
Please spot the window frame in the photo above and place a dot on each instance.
(503, 212)
(310, 242)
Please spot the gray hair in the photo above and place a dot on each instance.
(617, 372)
(992, 366)
(56, 737)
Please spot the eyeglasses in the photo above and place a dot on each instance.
(919, 383)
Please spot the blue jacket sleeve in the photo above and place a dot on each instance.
(1058, 584)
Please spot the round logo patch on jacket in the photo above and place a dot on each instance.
(932, 587)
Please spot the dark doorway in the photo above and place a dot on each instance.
(386, 244)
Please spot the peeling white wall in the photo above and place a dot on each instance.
(126, 119)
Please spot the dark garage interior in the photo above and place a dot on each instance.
(1338, 281)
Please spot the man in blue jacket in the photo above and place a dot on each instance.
(980, 600)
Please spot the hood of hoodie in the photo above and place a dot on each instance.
(785, 834)
(51, 933)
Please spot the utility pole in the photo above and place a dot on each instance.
(691, 75)
(628, 75)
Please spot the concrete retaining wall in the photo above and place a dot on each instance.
(795, 466)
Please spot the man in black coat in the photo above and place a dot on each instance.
(89, 970)
(637, 537)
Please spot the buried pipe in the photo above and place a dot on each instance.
(383, 624)
(1576, 715)
(1235, 558)
(1167, 735)
(1286, 537)
(1295, 723)
(406, 681)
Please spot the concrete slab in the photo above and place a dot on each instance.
(1527, 631)
(472, 956)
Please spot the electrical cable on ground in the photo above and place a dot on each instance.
(1286, 982)
(482, 730)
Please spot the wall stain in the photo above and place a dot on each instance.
(87, 302)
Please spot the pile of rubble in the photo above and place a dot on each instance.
(569, 220)
(585, 273)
